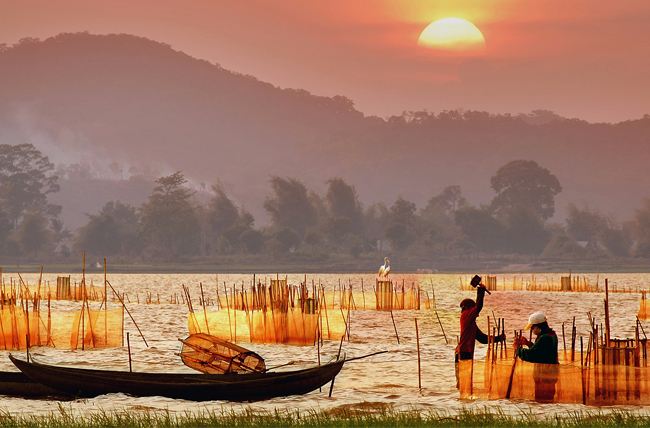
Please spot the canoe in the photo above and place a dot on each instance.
(17, 384)
(79, 382)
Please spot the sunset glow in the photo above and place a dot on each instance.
(454, 34)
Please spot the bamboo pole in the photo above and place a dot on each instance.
(128, 344)
(582, 374)
(417, 341)
(441, 327)
(514, 366)
(338, 355)
(105, 305)
(394, 326)
(225, 291)
(205, 313)
(607, 330)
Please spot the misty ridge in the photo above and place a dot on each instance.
(130, 122)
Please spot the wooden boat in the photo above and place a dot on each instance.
(17, 384)
(199, 387)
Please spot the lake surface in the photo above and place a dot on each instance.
(383, 380)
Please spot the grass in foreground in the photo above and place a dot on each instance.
(333, 418)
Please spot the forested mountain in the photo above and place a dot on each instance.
(125, 99)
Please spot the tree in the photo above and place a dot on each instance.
(222, 212)
(585, 224)
(290, 206)
(642, 229)
(401, 229)
(170, 225)
(5, 230)
(375, 220)
(227, 222)
(482, 230)
(252, 241)
(599, 231)
(446, 203)
(525, 184)
(33, 235)
(26, 178)
(438, 226)
(344, 213)
(112, 231)
(283, 240)
(562, 246)
(524, 232)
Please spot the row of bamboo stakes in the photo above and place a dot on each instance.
(569, 283)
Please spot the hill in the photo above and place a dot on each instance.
(126, 99)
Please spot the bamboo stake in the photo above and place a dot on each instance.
(441, 327)
(607, 330)
(205, 313)
(337, 358)
(128, 344)
(394, 326)
(225, 291)
(417, 341)
(514, 365)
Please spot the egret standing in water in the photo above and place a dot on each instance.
(384, 270)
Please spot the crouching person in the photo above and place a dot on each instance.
(542, 352)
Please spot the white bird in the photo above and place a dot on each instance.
(384, 269)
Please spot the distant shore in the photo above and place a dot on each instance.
(232, 265)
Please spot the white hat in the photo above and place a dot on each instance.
(535, 318)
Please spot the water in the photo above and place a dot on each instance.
(383, 380)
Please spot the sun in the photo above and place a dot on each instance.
(452, 34)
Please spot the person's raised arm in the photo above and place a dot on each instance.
(480, 294)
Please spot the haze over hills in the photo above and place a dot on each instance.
(125, 99)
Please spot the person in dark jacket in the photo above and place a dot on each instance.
(470, 333)
(543, 352)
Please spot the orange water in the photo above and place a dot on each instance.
(389, 379)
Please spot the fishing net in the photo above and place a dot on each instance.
(390, 297)
(209, 354)
(604, 383)
(387, 295)
(64, 330)
(536, 283)
(292, 327)
(97, 328)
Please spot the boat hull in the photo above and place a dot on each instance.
(197, 387)
(18, 384)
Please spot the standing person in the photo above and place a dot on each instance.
(542, 352)
(469, 330)
(470, 333)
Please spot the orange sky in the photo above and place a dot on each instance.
(586, 59)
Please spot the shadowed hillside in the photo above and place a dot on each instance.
(141, 103)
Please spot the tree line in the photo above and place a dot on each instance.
(173, 225)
